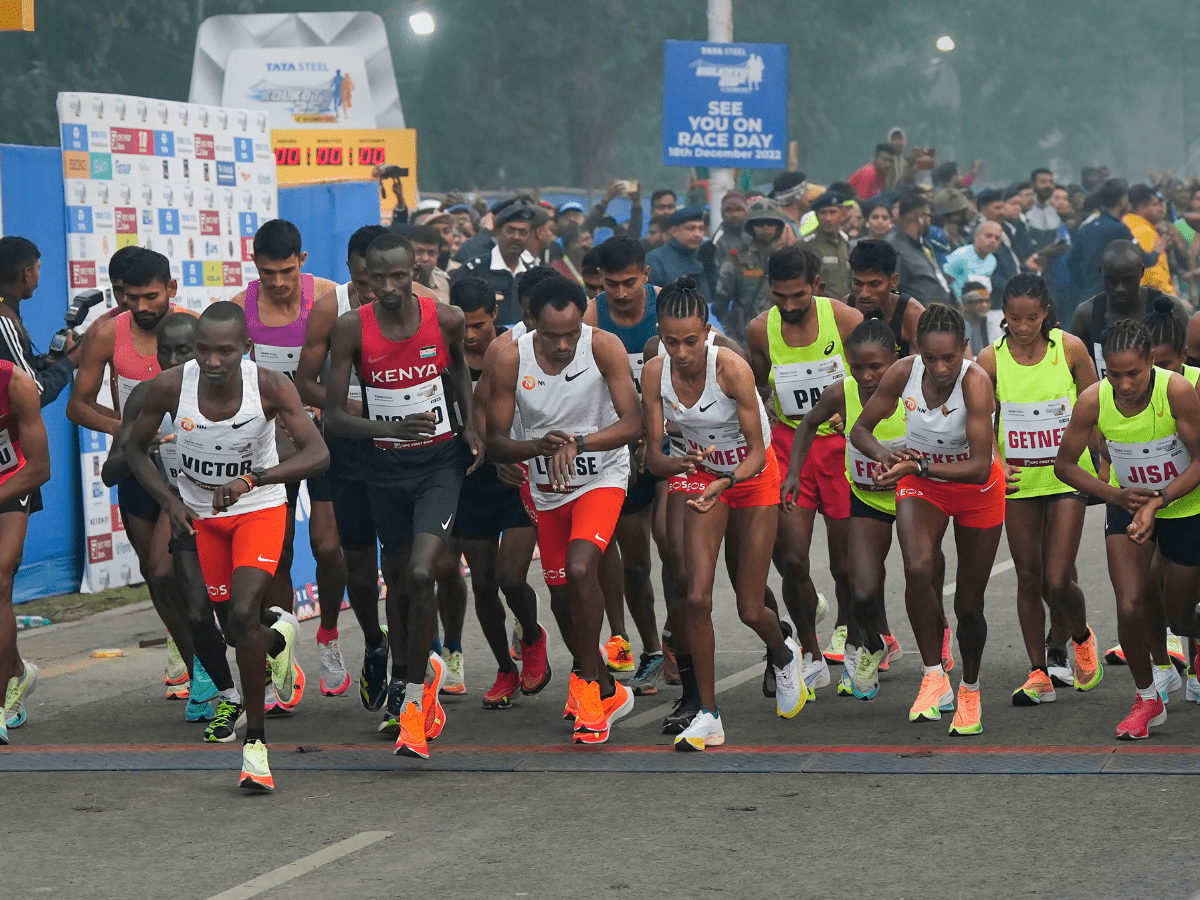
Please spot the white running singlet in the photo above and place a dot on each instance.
(941, 433)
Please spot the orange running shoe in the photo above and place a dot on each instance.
(1037, 689)
(589, 710)
(894, 652)
(618, 655)
(435, 714)
(947, 649)
(967, 718)
(412, 733)
(1088, 670)
(934, 698)
(572, 706)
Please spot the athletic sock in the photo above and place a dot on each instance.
(400, 673)
(1148, 693)
(325, 635)
(230, 695)
(415, 693)
(687, 678)
(925, 670)
(452, 646)
(276, 644)
(210, 649)
(255, 734)
(973, 686)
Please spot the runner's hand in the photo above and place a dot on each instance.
(788, 492)
(1142, 526)
(1012, 478)
(472, 439)
(837, 423)
(180, 518)
(708, 499)
(888, 474)
(511, 473)
(690, 461)
(1133, 499)
(550, 442)
(162, 438)
(228, 494)
(414, 427)
(562, 466)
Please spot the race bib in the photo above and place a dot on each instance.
(1098, 354)
(730, 444)
(277, 359)
(1151, 465)
(168, 452)
(394, 404)
(354, 393)
(209, 467)
(125, 387)
(8, 453)
(799, 385)
(939, 449)
(588, 467)
(636, 364)
(860, 467)
(1033, 431)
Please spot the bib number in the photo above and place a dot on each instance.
(1033, 431)
(730, 444)
(587, 468)
(799, 385)
(636, 364)
(8, 453)
(209, 468)
(938, 449)
(861, 468)
(278, 359)
(125, 387)
(396, 404)
(1151, 465)
(1098, 354)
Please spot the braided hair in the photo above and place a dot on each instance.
(1028, 284)
(1164, 327)
(939, 318)
(871, 331)
(681, 299)
(1127, 334)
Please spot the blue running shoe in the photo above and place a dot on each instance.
(200, 706)
(15, 718)
(3, 727)
(373, 683)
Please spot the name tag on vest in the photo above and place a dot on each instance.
(1033, 431)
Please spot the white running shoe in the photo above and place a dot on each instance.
(705, 731)
(1192, 693)
(335, 680)
(816, 673)
(1167, 680)
(790, 690)
(822, 608)
(455, 681)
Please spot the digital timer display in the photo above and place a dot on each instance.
(287, 156)
(329, 156)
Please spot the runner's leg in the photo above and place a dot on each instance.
(1129, 571)
(703, 534)
(13, 526)
(326, 546)
(1065, 517)
(976, 554)
(633, 537)
(870, 540)
(792, 543)
(1028, 531)
(920, 527)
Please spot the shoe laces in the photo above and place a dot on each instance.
(968, 704)
(646, 665)
(226, 712)
(331, 656)
(931, 689)
(868, 663)
(785, 679)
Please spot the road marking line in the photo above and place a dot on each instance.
(729, 681)
(996, 570)
(302, 866)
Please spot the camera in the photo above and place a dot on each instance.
(75, 316)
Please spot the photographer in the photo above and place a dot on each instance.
(20, 268)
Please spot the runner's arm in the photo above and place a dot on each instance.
(1084, 418)
(160, 397)
(282, 400)
(115, 467)
(613, 363)
(502, 405)
(82, 407)
(832, 402)
(881, 405)
(736, 379)
(453, 327)
(658, 462)
(316, 347)
(1185, 407)
(25, 402)
(760, 357)
(980, 401)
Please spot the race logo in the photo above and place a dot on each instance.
(741, 78)
(187, 424)
(327, 101)
(528, 383)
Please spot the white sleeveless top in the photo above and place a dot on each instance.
(214, 453)
(342, 292)
(168, 452)
(712, 421)
(676, 445)
(939, 433)
(576, 401)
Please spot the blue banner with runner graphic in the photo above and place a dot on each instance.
(725, 105)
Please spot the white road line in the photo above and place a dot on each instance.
(302, 866)
(729, 681)
(999, 567)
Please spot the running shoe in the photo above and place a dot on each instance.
(256, 774)
(515, 650)
(845, 685)
(1192, 691)
(1037, 689)
(967, 718)
(934, 698)
(271, 705)
(768, 686)
(282, 666)
(894, 652)
(865, 680)
(791, 689)
(705, 730)
(836, 651)
(649, 670)
(1145, 715)
(335, 680)
(947, 649)
(176, 675)
(201, 693)
(1167, 680)
(816, 674)
(435, 713)
(394, 707)
(500, 694)
(614, 707)
(535, 667)
(373, 682)
(618, 655)
(19, 688)
(1057, 667)
(589, 710)
(411, 741)
(15, 718)
(822, 609)
(670, 664)
(3, 727)
(455, 681)
(1115, 656)
(223, 728)
(571, 708)
(1087, 671)
(681, 716)
(1176, 652)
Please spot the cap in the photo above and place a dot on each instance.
(443, 216)
(788, 187)
(519, 212)
(763, 209)
(571, 205)
(827, 199)
(459, 208)
(428, 204)
(687, 214)
(991, 195)
(541, 215)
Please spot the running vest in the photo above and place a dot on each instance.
(634, 338)
(576, 401)
(403, 378)
(277, 347)
(1035, 408)
(895, 323)
(214, 453)
(859, 468)
(1145, 448)
(1097, 325)
(342, 292)
(12, 458)
(712, 421)
(129, 367)
(1191, 373)
(676, 446)
(168, 452)
(940, 433)
(799, 374)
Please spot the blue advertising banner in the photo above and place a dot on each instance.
(725, 105)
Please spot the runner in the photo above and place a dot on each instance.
(239, 522)
(407, 351)
(1038, 371)
(1150, 421)
(277, 306)
(627, 308)
(870, 351)
(126, 347)
(873, 280)
(24, 468)
(573, 389)
(176, 344)
(347, 490)
(491, 527)
(731, 485)
(796, 352)
(948, 407)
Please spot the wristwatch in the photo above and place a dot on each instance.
(258, 475)
(923, 467)
(579, 439)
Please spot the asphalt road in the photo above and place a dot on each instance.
(847, 798)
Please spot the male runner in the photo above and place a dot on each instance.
(277, 306)
(573, 389)
(347, 489)
(407, 350)
(125, 345)
(873, 280)
(796, 353)
(24, 468)
(231, 496)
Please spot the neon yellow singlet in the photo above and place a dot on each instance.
(891, 433)
(1191, 373)
(799, 374)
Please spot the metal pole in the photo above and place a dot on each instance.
(720, 31)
